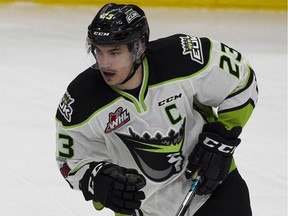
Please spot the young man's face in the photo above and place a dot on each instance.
(115, 63)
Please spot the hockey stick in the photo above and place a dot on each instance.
(188, 198)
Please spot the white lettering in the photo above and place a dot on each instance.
(210, 142)
(102, 34)
(227, 149)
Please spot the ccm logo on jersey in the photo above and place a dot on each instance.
(192, 45)
(170, 99)
(226, 149)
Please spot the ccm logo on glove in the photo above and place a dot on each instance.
(212, 156)
(115, 187)
(220, 146)
(92, 176)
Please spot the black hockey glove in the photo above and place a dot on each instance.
(212, 156)
(113, 186)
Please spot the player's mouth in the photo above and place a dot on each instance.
(108, 74)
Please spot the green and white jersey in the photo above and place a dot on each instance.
(185, 79)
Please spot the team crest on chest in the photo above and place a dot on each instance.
(117, 119)
(159, 156)
(192, 45)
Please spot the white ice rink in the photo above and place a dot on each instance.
(42, 49)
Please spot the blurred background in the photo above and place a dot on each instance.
(42, 48)
(244, 4)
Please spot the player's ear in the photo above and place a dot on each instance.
(141, 48)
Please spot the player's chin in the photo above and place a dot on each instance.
(112, 82)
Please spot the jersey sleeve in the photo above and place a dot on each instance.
(76, 145)
(228, 84)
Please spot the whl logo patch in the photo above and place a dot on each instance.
(65, 106)
(117, 119)
(192, 45)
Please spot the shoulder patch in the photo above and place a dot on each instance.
(192, 45)
(65, 106)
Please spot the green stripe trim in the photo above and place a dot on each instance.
(75, 170)
(128, 96)
(248, 82)
(91, 116)
(189, 76)
(237, 116)
(232, 166)
(140, 106)
(206, 112)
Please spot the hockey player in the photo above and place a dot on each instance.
(134, 129)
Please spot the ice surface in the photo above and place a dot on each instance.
(42, 49)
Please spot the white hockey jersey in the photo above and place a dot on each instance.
(185, 79)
